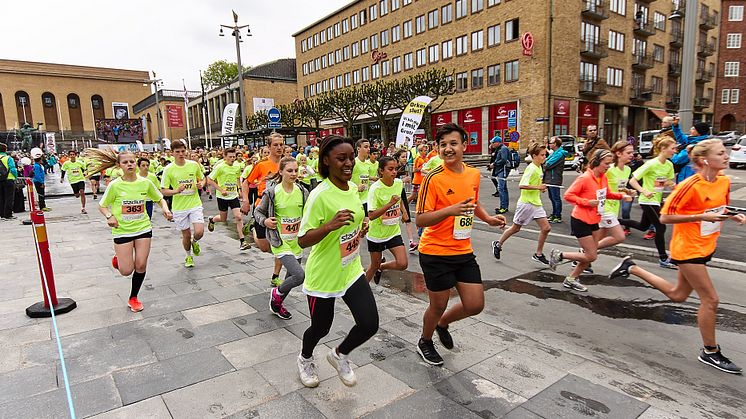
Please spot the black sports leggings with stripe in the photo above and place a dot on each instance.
(362, 304)
(651, 215)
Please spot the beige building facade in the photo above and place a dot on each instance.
(173, 115)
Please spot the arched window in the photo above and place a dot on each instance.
(76, 117)
(49, 104)
(97, 103)
(3, 127)
(23, 107)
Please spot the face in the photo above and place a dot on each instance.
(230, 158)
(290, 172)
(180, 153)
(388, 172)
(605, 164)
(302, 160)
(423, 150)
(625, 156)
(665, 124)
(127, 162)
(452, 147)
(265, 152)
(364, 149)
(669, 151)
(340, 161)
(144, 166)
(541, 157)
(403, 159)
(276, 147)
(592, 131)
(286, 151)
(72, 155)
(717, 157)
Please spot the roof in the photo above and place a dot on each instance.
(282, 69)
(75, 71)
(163, 96)
(334, 13)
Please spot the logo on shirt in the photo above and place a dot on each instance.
(450, 192)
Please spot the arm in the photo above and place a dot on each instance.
(431, 218)
(678, 134)
(261, 211)
(378, 212)
(572, 195)
(13, 169)
(312, 237)
(635, 184)
(493, 220)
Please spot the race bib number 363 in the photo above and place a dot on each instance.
(133, 210)
(349, 245)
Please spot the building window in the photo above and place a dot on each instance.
(616, 41)
(384, 7)
(313, 90)
(590, 33)
(512, 31)
(658, 53)
(477, 6)
(460, 8)
(407, 2)
(446, 13)
(408, 64)
(394, 5)
(493, 75)
(384, 38)
(366, 73)
(338, 55)
(315, 40)
(732, 68)
(462, 45)
(619, 7)
(493, 35)
(317, 64)
(325, 86)
(395, 33)
(477, 78)
(385, 68)
(49, 101)
(588, 71)
(657, 83)
(329, 33)
(330, 58)
(511, 71)
(491, 3)
(477, 40)
(305, 69)
(733, 40)
(374, 41)
(421, 57)
(373, 12)
(355, 49)
(305, 92)
(432, 53)
(339, 81)
(336, 30)
(356, 77)
(323, 36)
(332, 86)
(614, 77)
(323, 61)
(345, 26)
(303, 45)
(348, 80)
(420, 24)
(353, 21)
(396, 63)
(659, 21)
(432, 19)
(363, 16)
(447, 49)
(364, 45)
(725, 96)
(734, 95)
(407, 29)
(462, 81)
(735, 13)
(346, 52)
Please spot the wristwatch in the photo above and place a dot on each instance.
(109, 216)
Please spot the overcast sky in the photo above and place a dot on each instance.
(174, 38)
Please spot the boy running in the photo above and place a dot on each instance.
(224, 177)
(75, 171)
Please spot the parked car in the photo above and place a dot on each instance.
(568, 144)
(727, 137)
(645, 142)
(738, 153)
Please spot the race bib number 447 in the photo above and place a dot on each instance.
(289, 228)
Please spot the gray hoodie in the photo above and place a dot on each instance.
(266, 209)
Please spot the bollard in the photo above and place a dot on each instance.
(44, 259)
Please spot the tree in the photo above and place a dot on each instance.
(347, 105)
(219, 73)
(313, 110)
(380, 101)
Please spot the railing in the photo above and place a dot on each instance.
(672, 101)
(642, 62)
(680, 7)
(706, 50)
(674, 69)
(708, 21)
(590, 87)
(703, 75)
(702, 102)
(677, 39)
(594, 48)
(595, 9)
(644, 28)
(641, 93)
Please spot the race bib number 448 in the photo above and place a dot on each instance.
(349, 245)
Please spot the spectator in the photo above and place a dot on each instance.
(39, 176)
(698, 132)
(500, 170)
(7, 186)
(592, 143)
(553, 171)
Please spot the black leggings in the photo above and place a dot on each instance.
(253, 195)
(651, 216)
(359, 298)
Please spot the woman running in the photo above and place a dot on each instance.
(402, 159)
(697, 209)
(618, 175)
(281, 211)
(385, 211)
(656, 174)
(589, 194)
(333, 226)
(447, 204)
(123, 205)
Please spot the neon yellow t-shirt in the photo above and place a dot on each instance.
(246, 171)
(433, 163)
(532, 176)
(227, 178)
(361, 174)
(75, 171)
(288, 212)
(114, 173)
(188, 174)
(313, 163)
(654, 175)
(387, 225)
(127, 202)
(617, 180)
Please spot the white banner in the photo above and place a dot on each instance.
(229, 118)
(410, 120)
(263, 104)
(50, 143)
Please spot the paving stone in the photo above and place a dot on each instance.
(178, 303)
(27, 382)
(573, 396)
(282, 373)
(73, 346)
(260, 348)
(655, 413)
(194, 285)
(265, 321)
(479, 395)
(152, 408)
(231, 293)
(104, 360)
(425, 404)
(217, 312)
(139, 383)
(292, 405)
(378, 348)
(521, 413)
(24, 335)
(408, 366)
(189, 339)
(220, 396)
(407, 328)
(11, 359)
(517, 373)
(468, 349)
(374, 389)
(100, 319)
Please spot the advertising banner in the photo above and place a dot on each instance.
(229, 118)
(121, 110)
(175, 116)
(50, 143)
(410, 120)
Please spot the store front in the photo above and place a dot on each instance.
(471, 121)
(504, 121)
(587, 115)
(561, 117)
(438, 120)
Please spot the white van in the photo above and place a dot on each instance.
(645, 142)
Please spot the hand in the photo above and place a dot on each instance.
(112, 222)
(676, 120)
(364, 228)
(713, 217)
(543, 187)
(647, 193)
(168, 215)
(406, 179)
(224, 192)
(181, 188)
(245, 207)
(341, 218)
(405, 217)
(627, 198)
(465, 207)
(497, 221)
(394, 199)
(271, 223)
(669, 183)
(490, 166)
(739, 218)
(593, 202)
(361, 187)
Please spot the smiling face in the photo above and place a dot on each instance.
(452, 147)
(340, 160)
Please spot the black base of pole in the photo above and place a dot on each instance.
(27, 222)
(64, 305)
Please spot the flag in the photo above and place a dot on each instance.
(186, 96)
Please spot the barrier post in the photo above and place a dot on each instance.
(44, 259)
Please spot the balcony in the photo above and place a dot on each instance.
(708, 21)
(677, 39)
(706, 50)
(702, 102)
(645, 1)
(680, 7)
(593, 48)
(596, 10)
(590, 87)
(674, 69)
(644, 28)
(640, 94)
(672, 102)
(642, 62)
(703, 76)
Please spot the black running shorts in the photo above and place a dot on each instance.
(443, 272)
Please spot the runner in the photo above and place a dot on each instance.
(697, 209)
(417, 177)
(589, 194)
(143, 166)
(529, 205)
(447, 206)
(94, 178)
(333, 225)
(75, 171)
(384, 211)
(402, 158)
(618, 175)
(656, 174)
(364, 171)
(305, 172)
(433, 160)
(280, 212)
(123, 205)
(181, 179)
(224, 178)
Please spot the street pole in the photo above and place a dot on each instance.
(236, 31)
(154, 81)
(688, 60)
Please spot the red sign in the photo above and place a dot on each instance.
(527, 41)
(438, 120)
(587, 110)
(471, 121)
(339, 131)
(561, 107)
(175, 116)
(378, 56)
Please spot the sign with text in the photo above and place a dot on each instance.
(527, 42)
(229, 118)
(263, 104)
(410, 120)
(175, 114)
(50, 143)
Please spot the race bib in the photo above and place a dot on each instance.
(462, 225)
(289, 228)
(364, 180)
(706, 228)
(621, 186)
(75, 172)
(231, 187)
(391, 217)
(601, 197)
(349, 245)
(660, 184)
(133, 210)
(188, 187)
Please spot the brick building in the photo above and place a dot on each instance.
(613, 63)
(173, 117)
(730, 111)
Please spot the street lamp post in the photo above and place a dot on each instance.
(155, 82)
(236, 32)
(688, 60)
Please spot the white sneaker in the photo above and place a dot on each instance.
(342, 365)
(307, 372)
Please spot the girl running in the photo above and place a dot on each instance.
(447, 204)
(402, 158)
(333, 226)
(697, 209)
(280, 211)
(123, 205)
(384, 211)
(618, 175)
(656, 174)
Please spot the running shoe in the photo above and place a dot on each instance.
(377, 275)
(427, 351)
(622, 269)
(412, 246)
(46, 209)
(445, 336)
(501, 210)
(209, 196)
(307, 372)
(540, 258)
(195, 248)
(574, 285)
(245, 245)
(83, 211)
(555, 257)
(115, 263)
(667, 264)
(189, 262)
(210, 225)
(275, 304)
(650, 235)
(588, 270)
(496, 249)
(496, 194)
(627, 231)
(134, 304)
(95, 196)
(275, 281)
(719, 361)
(341, 363)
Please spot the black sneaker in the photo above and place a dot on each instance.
(540, 258)
(622, 269)
(719, 361)
(210, 225)
(496, 249)
(587, 270)
(445, 336)
(427, 351)
(377, 275)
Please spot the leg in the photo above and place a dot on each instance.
(186, 240)
(697, 277)
(82, 196)
(322, 315)
(626, 209)
(434, 312)
(125, 258)
(509, 232)
(471, 304)
(295, 276)
(199, 230)
(239, 222)
(375, 264)
(660, 231)
(503, 186)
(641, 225)
(40, 191)
(493, 178)
(677, 293)
(278, 267)
(359, 298)
(590, 253)
(554, 197)
(222, 216)
(614, 235)
(400, 261)
(142, 251)
(543, 234)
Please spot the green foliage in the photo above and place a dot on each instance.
(219, 73)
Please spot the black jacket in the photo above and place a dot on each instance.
(499, 159)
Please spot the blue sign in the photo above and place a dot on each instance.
(514, 137)
(512, 114)
(274, 115)
(274, 125)
(512, 122)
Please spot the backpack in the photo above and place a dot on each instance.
(4, 171)
(514, 159)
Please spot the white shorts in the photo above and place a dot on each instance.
(525, 213)
(608, 221)
(184, 219)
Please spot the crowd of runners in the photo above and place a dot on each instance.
(333, 197)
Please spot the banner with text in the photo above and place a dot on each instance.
(51, 143)
(175, 116)
(229, 118)
(410, 120)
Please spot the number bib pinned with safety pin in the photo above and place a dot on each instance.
(133, 210)
(289, 228)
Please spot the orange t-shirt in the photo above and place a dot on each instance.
(431, 154)
(694, 196)
(443, 188)
(260, 172)
(418, 163)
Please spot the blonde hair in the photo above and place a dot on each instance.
(104, 159)
(618, 147)
(660, 142)
(702, 149)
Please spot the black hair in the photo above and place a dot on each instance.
(327, 144)
(383, 161)
(142, 159)
(449, 128)
(3, 147)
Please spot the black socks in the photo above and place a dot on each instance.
(137, 279)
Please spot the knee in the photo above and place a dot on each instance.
(126, 270)
(710, 302)
(141, 266)
(263, 245)
(473, 308)
(437, 309)
(402, 265)
(591, 256)
(369, 325)
(546, 229)
(198, 234)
